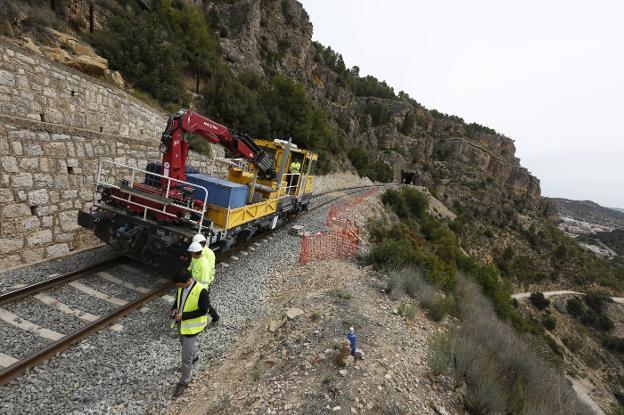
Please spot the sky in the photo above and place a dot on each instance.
(548, 74)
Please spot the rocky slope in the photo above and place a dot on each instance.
(591, 212)
(469, 163)
(479, 164)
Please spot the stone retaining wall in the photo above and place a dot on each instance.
(56, 124)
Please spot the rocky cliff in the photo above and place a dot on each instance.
(469, 163)
(269, 37)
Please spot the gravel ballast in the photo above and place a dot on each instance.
(18, 343)
(10, 280)
(45, 316)
(133, 371)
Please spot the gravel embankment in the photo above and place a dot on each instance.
(133, 371)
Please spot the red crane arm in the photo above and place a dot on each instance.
(175, 148)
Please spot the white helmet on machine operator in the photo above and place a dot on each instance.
(195, 247)
(199, 238)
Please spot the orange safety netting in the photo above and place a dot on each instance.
(342, 239)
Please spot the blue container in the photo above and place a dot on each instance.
(221, 192)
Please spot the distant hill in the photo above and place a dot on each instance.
(591, 212)
(618, 209)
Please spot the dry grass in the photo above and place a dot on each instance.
(503, 372)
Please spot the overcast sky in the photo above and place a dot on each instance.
(548, 74)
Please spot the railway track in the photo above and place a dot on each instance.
(94, 322)
(13, 368)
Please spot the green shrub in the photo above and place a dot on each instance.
(549, 323)
(574, 306)
(614, 343)
(539, 301)
(441, 307)
(439, 358)
(574, 344)
(595, 301)
(408, 311)
(417, 203)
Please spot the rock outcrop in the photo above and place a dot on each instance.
(269, 37)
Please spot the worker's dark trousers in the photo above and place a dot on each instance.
(211, 310)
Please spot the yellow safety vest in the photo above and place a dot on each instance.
(295, 166)
(210, 256)
(202, 270)
(193, 325)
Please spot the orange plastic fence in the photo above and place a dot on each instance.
(343, 235)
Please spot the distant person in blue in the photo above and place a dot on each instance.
(352, 341)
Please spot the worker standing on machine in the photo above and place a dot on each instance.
(207, 252)
(189, 315)
(294, 169)
(202, 272)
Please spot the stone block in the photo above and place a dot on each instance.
(68, 204)
(43, 135)
(58, 249)
(6, 196)
(16, 211)
(70, 150)
(47, 221)
(29, 163)
(38, 197)
(46, 210)
(33, 254)
(22, 196)
(70, 194)
(53, 115)
(61, 182)
(17, 148)
(22, 83)
(10, 261)
(59, 137)
(32, 150)
(86, 194)
(11, 228)
(4, 145)
(22, 135)
(43, 180)
(7, 78)
(30, 223)
(63, 236)
(41, 237)
(54, 196)
(22, 180)
(68, 221)
(9, 164)
(8, 245)
(44, 164)
(56, 150)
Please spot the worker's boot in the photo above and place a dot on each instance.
(179, 390)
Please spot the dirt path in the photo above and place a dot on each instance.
(547, 294)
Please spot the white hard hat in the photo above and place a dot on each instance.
(199, 238)
(195, 247)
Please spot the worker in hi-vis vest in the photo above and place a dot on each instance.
(202, 272)
(206, 252)
(294, 169)
(189, 312)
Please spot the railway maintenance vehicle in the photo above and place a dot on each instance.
(151, 214)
